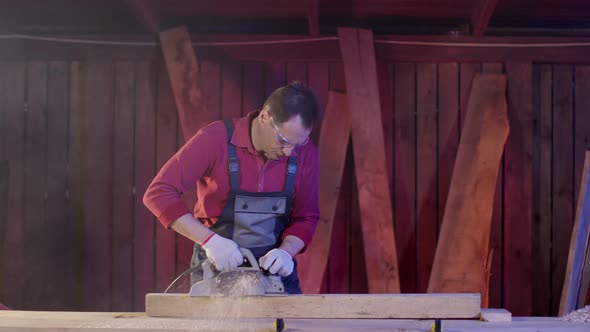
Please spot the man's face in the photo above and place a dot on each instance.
(282, 138)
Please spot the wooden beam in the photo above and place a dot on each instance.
(462, 248)
(518, 191)
(480, 18)
(183, 72)
(146, 13)
(422, 306)
(313, 17)
(578, 246)
(333, 144)
(369, 154)
(387, 48)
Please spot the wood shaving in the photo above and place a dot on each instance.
(580, 315)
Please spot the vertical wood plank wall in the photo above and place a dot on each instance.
(84, 138)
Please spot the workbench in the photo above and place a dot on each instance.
(38, 321)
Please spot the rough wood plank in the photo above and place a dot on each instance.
(578, 246)
(518, 190)
(122, 297)
(421, 306)
(426, 172)
(166, 133)
(496, 315)
(333, 145)
(98, 104)
(463, 243)
(369, 152)
(467, 72)
(56, 201)
(339, 262)
(541, 227)
(35, 177)
(405, 172)
(562, 185)
(145, 117)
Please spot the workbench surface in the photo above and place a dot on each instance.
(42, 321)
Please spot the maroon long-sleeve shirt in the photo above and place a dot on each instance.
(203, 161)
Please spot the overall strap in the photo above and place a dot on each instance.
(232, 157)
(291, 172)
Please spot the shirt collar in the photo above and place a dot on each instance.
(241, 136)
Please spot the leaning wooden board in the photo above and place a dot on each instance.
(406, 306)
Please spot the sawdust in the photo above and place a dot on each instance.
(580, 315)
(243, 283)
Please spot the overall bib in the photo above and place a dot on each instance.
(254, 220)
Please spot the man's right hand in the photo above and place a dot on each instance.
(223, 253)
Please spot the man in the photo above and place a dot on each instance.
(257, 186)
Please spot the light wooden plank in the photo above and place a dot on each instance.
(578, 246)
(183, 72)
(463, 243)
(123, 187)
(496, 315)
(333, 145)
(541, 228)
(518, 191)
(404, 105)
(563, 177)
(422, 306)
(370, 165)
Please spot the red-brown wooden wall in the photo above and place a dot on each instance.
(84, 138)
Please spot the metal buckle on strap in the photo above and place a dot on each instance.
(291, 168)
(233, 165)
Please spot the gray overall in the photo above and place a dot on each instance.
(254, 220)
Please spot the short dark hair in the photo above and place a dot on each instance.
(291, 100)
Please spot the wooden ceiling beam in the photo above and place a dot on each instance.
(480, 18)
(146, 13)
(313, 17)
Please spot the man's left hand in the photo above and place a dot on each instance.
(277, 261)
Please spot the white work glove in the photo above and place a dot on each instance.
(223, 253)
(277, 261)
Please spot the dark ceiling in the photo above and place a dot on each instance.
(424, 17)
